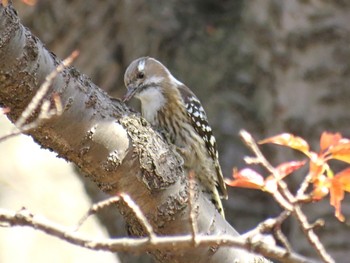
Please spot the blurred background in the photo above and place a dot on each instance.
(266, 66)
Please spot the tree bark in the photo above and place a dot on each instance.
(114, 147)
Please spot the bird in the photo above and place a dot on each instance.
(169, 105)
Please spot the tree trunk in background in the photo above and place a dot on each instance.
(265, 66)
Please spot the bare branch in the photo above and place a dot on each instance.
(138, 213)
(25, 218)
(95, 208)
(32, 106)
(304, 185)
(310, 234)
(277, 231)
(260, 158)
(113, 200)
(271, 226)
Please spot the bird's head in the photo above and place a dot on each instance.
(144, 75)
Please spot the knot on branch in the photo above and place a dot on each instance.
(160, 165)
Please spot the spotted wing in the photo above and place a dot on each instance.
(200, 123)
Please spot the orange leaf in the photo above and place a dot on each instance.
(289, 140)
(287, 168)
(329, 139)
(337, 195)
(343, 178)
(246, 178)
(341, 151)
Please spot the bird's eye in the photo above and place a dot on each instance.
(140, 75)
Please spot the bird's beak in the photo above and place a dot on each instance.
(130, 93)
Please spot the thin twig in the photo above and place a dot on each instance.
(10, 135)
(45, 112)
(304, 185)
(260, 158)
(268, 225)
(310, 234)
(95, 208)
(113, 200)
(138, 213)
(279, 235)
(248, 139)
(33, 105)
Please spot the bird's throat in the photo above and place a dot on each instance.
(152, 99)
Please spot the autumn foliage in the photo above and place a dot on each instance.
(320, 175)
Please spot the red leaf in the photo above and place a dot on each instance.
(287, 168)
(289, 140)
(246, 178)
(329, 139)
